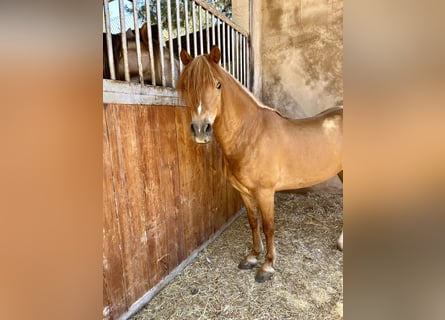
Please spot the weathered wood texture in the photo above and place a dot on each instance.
(164, 196)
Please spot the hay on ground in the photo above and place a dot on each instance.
(308, 283)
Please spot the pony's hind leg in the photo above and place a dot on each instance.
(266, 204)
(257, 247)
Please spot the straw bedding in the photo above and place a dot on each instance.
(308, 283)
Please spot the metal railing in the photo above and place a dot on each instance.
(151, 56)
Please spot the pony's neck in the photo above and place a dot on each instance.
(240, 113)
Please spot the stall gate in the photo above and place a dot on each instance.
(164, 195)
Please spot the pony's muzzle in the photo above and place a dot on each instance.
(201, 131)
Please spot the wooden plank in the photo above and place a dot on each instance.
(113, 282)
(211, 188)
(119, 92)
(220, 191)
(182, 118)
(148, 133)
(129, 199)
(162, 153)
(169, 177)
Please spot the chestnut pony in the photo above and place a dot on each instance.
(263, 151)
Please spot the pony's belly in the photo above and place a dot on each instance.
(298, 179)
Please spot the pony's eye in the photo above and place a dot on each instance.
(218, 85)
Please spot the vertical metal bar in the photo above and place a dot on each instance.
(170, 41)
(109, 41)
(241, 58)
(244, 61)
(232, 40)
(201, 43)
(238, 45)
(238, 64)
(224, 47)
(250, 49)
(229, 52)
(219, 37)
(138, 42)
(213, 29)
(241, 50)
(161, 40)
(178, 31)
(236, 56)
(207, 31)
(150, 43)
(195, 44)
(248, 63)
(124, 40)
(186, 10)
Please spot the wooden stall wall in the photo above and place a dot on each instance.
(164, 196)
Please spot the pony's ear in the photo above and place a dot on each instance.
(185, 57)
(215, 54)
(144, 35)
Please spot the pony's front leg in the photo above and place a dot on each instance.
(257, 247)
(266, 204)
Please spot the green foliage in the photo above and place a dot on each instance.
(223, 6)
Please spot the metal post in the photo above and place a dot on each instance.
(150, 43)
(207, 31)
(224, 46)
(213, 29)
(232, 40)
(219, 37)
(195, 44)
(178, 31)
(109, 41)
(170, 41)
(161, 40)
(124, 40)
(187, 25)
(138, 42)
(201, 42)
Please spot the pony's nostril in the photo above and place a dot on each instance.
(208, 128)
(192, 128)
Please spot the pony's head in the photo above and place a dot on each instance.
(200, 86)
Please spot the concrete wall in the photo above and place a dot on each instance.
(248, 15)
(297, 49)
(240, 13)
(301, 55)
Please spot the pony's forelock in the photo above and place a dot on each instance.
(196, 77)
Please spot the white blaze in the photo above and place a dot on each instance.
(199, 108)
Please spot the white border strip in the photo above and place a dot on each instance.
(141, 302)
(135, 93)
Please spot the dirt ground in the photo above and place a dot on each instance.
(308, 283)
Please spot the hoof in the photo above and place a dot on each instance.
(245, 265)
(263, 276)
